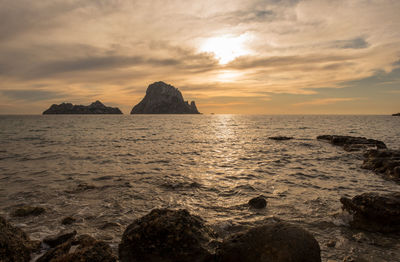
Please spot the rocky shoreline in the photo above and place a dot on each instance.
(177, 235)
(166, 235)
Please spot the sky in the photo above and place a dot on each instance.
(233, 57)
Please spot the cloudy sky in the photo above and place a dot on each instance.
(234, 56)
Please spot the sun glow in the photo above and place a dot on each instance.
(226, 48)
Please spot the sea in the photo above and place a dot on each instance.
(108, 170)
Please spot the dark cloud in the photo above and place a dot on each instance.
(250, 16)
(355, 43)
(281, 61)
(40, 62)
(31, 95)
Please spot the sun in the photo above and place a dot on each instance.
(226, 48)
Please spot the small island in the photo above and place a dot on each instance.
(162, 98)
(398, 114)
(94, 108)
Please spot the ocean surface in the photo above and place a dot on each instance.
(113, 169)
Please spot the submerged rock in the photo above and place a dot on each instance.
(280, 242)
(374, 212)
(280, 138)
(351, 143)
(15, 244)
(166, 235)
(94, 108)
(83, 248)
(58, 239)
(162, 98)
(28, 211)
(68, 220)
(385, 162)
(258, 202)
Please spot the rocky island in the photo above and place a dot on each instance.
(94, 108)
(397, 114)
(162, 98)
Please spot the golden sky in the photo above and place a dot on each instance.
(248, 57)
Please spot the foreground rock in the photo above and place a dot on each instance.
(384, 162)
(162, 98)
(258, 202)
(83, 248)
(374, 212)
(397, 114)
(15, 244)
(351, 143)
(280, 242)
(166, 235)
(94, 108)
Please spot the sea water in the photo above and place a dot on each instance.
(111, 169)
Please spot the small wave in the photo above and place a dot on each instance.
(161, 161)
(102, 178)
(180, 185)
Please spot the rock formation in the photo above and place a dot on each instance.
(278, 242)
(83, 248)
(397, 114)
(166, 235)
(351, 143)
(162, 98)
(15, 244)
(374, 212)
(94, 108)
(385, 162)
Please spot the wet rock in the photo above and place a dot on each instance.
(361, 237)
(166, 235)
(108, 225)
(94, 108)
(162, 98)
(278, 242)
(331, 243)
(68, 220)
(28, 211)
(258, 202)
(385, 162)
(56, 252)
(15, 244)
(58, 239)
(280, 138)
(83, 248)
(356, 259)
(374, 212)
(351, 143)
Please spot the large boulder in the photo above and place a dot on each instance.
(351, 143)
(374, 212)
(15, 244)
(162, 98)
(258, 202)
(94, 108)
(166, 235)
(279, 242)
(384, 162)
(83, 248)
